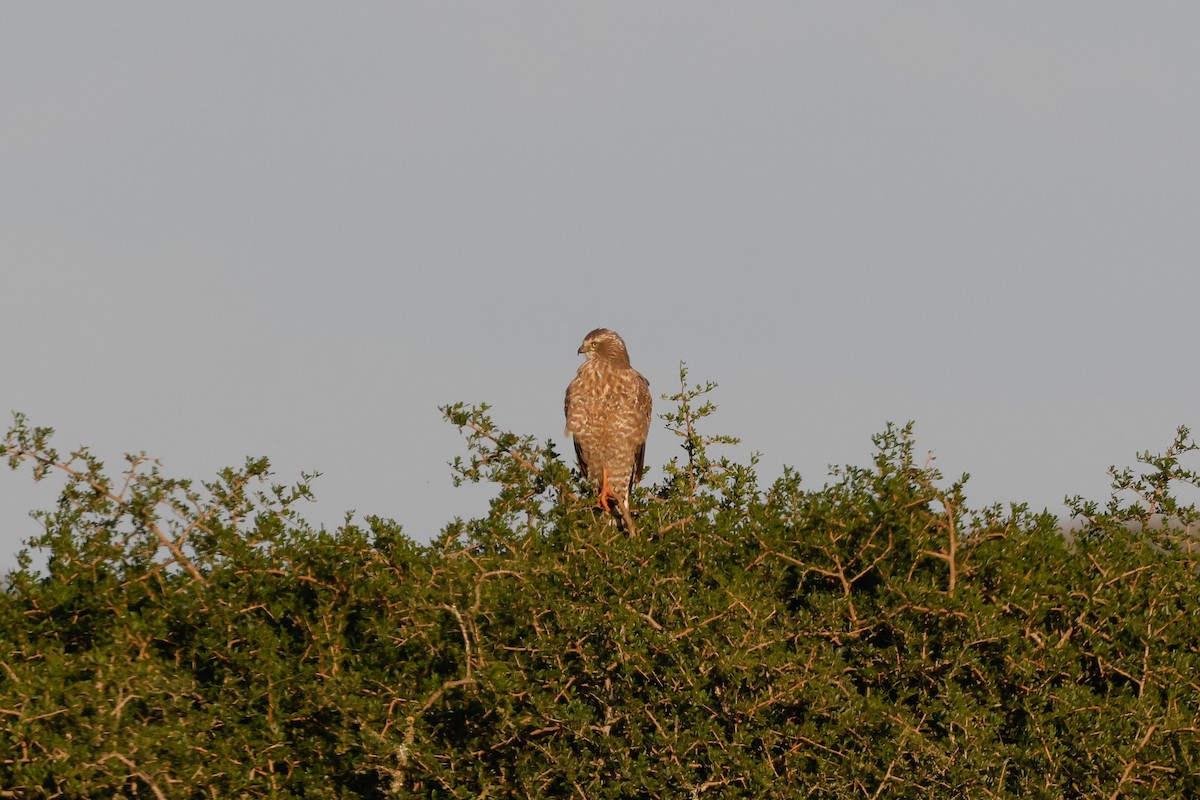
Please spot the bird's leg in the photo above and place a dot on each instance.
(606, 492)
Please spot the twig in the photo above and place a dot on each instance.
(141, 775)
(1132, 762)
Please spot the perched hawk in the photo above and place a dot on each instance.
(608, 413)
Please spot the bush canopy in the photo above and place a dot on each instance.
(874, 637)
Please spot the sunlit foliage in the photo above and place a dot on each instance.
(871, 637)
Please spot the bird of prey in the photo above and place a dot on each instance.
(608, 414)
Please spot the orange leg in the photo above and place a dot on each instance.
(606, 493)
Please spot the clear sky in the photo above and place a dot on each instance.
(294, 229)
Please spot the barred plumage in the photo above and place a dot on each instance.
(608, 413)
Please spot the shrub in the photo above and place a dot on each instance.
(875, 637)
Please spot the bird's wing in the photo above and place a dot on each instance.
(583, 467)
(567, 407)
(644, 404)
(571, 429)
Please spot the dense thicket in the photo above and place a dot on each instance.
(871, 638)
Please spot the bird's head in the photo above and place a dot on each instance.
(605, 345)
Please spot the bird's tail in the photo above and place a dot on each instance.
(626, 516)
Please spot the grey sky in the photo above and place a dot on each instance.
(293, 230)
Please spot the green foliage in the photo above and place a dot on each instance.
(1148, 502)
(875, 637)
